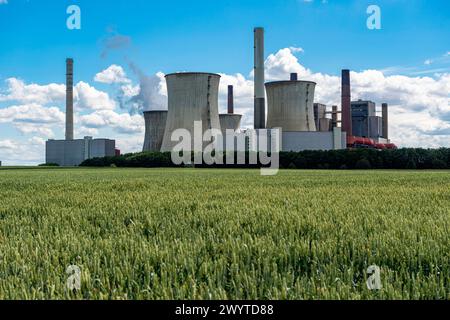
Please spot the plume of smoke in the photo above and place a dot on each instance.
(152, 93)
(114, 41)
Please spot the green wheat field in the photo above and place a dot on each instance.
(224, 234)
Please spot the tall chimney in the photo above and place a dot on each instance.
(385, 115)
(346, 103)
(334, 116)
(260, 96)
(294, 77)
(230, 100)
(69, 99)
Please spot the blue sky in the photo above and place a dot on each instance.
(216, 36)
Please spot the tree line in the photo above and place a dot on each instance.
(412, 159)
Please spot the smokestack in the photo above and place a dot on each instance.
(69, 99)
(385, 115)
(334, 116)
(346, 103)
(294, 77)
(230, 100)
(260, 97)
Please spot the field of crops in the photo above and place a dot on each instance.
(218, 234)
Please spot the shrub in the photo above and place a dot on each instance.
(292, 166)
(439, 164)
(363, 164)
(411, 165)
(49, 165)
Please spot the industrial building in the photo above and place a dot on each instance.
(363, 127)
(72, 152)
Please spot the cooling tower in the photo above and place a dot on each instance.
(69, 99)
(291, 105)
(230, 122)
(191, 97)
(155, 125)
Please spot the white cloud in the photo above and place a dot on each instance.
(33, 119)
(130, 143)
(113, 74)
(123, 123)
(296, 50)
(129, 90)
(31, 113)
(87, 97)
(281, 64)
(82, 131)
(22, 152)
(7, 144)
(33, 93)
(40, 130)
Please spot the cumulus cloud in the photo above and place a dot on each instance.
(43, 131)
(33, 119)
(88, 97)
(18, 91)
(122, 123)
(22, 152)
(85, 96)
(111, 75)
(31, 113)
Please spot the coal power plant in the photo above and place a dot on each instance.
(72, 152)
(289, 105)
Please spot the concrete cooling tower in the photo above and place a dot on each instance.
(155, 125)
(291, 105)
(191, 97)
(230, 122)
